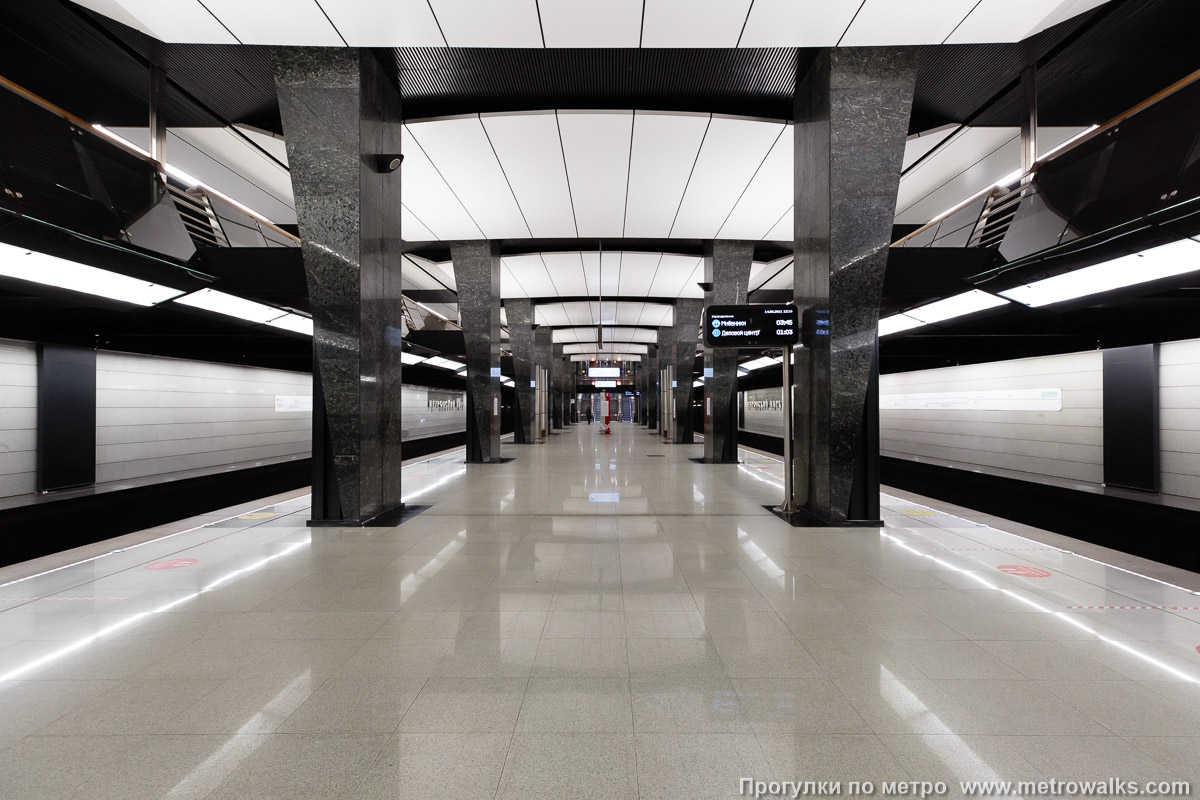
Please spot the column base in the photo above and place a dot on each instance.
(386, 519)
(803, 519)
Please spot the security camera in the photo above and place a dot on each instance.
(388, 163)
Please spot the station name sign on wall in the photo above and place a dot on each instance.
(751, 326)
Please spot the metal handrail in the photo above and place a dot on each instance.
(1026, 179)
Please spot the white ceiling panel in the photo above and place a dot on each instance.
(444, 271)
(585, 357)
(496, 23)
(612, 23)
(768, 195)
(611, 334)
(693, 23)
(637, 273)
(275, 22)
(411, 228)
(509, 285)
(179, 21)
(603, 275)
(531, 272)
(1065, 10)
(732, 151)
(426, 273)
(967, 162)
(798, 23)
(596, 145)
(566, 270)
(664, 150)
(460, 151)
(385, 23)
(580, 313)
(551, 314)
(604, 313)
(781, 276)
(273, 144)
(892, 22)
(629, 313)
(530, 153)
(785, 228)
(673, 270)
(657, 314)
(691, 286)
(427, 195)
(615, 347)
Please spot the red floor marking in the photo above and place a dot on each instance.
(1138, 608)
(1022, 571)
(172, 563)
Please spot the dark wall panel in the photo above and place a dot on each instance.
(66, 417)
(1131, 457)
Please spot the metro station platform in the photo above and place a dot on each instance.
(598, 618)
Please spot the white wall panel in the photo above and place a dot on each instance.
(882, 22)
(798, 23)
(612, 23)
(529, 149)
(693, 23)
(596, 145)
(431, 412)
(496, 23)
(460, 150)
(276, 22)
(732, 152)
(156, 416)
(1179, 417)
(664, 149)
(18, 417)
(1067, 444)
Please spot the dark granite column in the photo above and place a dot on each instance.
(558, 377)
(339, 110)
(543, 355)
(477, 278)
(852, 112)
(687, 337)
(727, 267)
(651, 392)
(520, 340)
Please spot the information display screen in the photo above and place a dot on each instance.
(751, 326)
(604, 372)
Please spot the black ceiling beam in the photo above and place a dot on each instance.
(439, 252)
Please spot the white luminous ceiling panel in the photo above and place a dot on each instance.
(566, 270)
(664, 149)
(881, 22)
(551, 314)
(385, 23)
(509, 285)
(443, 271)
(604, 313)
(673, 271)
(603, 275)
(275, 22)
(798, 23)
(460, 150)
(732, 152)
(611, 23)
(629, 313)
(427, 195)
(618, 334)
(596, 145)
(637, 273)
(580, 313)
(529, 151)
(767, 197)
(921, 143)
(530, 272)
(970, 160)
(273, 144)
(657, 314)
(691, 285)
(178, 21)
(785, 227)
(495, 23)
(615, 347)
(411, 228)
(693, 23)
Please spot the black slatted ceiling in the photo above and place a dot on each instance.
(752, 82)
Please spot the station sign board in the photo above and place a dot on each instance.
(751, 326)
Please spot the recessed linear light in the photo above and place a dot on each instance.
(231, 306)
(444, 363)
(759, 363)
(25, 265)
(411, 358)
(1166, 261)
(959, 305)
(294, 323)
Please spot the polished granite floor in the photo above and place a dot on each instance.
(600, 618)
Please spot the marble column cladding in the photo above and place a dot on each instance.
(852, 113)
(687, 337)
(558, 378)
(477, 278)
(336, 105)
(519, 313)
(650, 394)
(727, 267)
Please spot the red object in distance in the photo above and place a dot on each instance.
(1022, 571)
(172, 563)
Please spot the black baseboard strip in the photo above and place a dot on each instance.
(53, 526)
(1158, 532)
